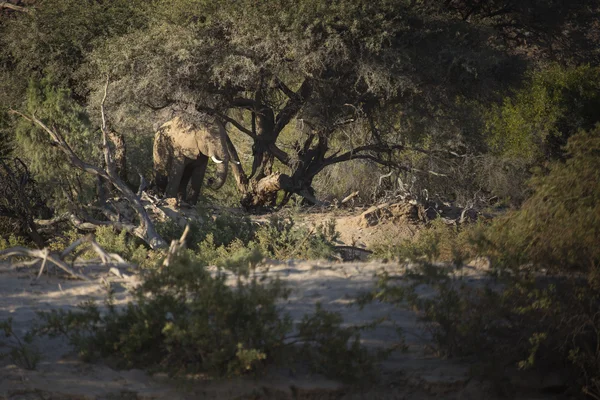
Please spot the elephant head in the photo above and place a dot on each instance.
(182, 151)
(212, 142)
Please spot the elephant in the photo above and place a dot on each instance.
(181, 153)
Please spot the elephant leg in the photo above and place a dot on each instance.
(161, 181)
(175, 176)
(185, 179)
(198, 177)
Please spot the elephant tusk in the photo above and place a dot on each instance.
(236, 162)
(216, 160)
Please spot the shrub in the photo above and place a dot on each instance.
(12, 241)
(558, 227)
(22, 352)
(438, 242)
(523, 320)
(186, 319)
(282, 239)
(555, 104)
(224, 229)
(336, 351)
(183, 319)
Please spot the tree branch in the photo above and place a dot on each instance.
(232, 121)
(279, 154)
(10, 6)
(352, 154)
(236, 167)
(292, 106)
(285, 89)
(146, 229)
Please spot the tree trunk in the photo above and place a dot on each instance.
(263, 192)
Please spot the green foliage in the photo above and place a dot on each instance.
(12, 241)
(54, 106)
(334, 350)
(282, 239)
(438, 242)
(520, 318)
(558, 226)
(183, 319)
(121, 243)
(223, 229)
(555, 104)
(22, 351)
(53, 40)
(186, 319)
(111, 240)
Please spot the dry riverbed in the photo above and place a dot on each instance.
(413, 374)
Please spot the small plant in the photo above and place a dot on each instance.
(12, 241)
(22, 351)
(336, 351)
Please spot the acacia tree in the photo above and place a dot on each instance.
(309, 83)
(342, 72)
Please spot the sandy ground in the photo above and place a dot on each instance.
(415, 374)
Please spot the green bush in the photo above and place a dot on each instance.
(22, 351)
(336, 351)
(223, 229)
(438, 242)
(183, 319)
(521, 319)
(55, 175)
(12, 241)
(121, 243)
(558, 227)
(282, 239)
(537, 121)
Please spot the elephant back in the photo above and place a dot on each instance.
(190, 139)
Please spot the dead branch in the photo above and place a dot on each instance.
(43, 255)
(145, 230)
(176, 247)
(350, 197)
(13, 7)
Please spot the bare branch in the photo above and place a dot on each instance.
(355, 153)
(285, 89)
(7, 5)
(280, 154)
(293, 106)
(236, 167)
(349, 197)
(232, 121)
(108, 159)
(146, 229)
(43, 255)
(176, 247)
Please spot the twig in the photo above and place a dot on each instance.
(350, 197)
